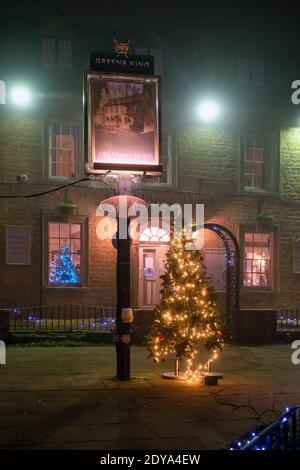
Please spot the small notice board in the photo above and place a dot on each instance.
(296, 256)
(18, 245)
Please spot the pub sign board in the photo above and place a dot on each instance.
(131, 64)
(122, 128)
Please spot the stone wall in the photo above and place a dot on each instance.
(207, 162)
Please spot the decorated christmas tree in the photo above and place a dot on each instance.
(62, 269)
(187, 319)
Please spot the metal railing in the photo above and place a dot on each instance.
(282, 434)
(288, 318)
(71, 317)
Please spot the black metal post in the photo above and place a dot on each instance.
(123, 301)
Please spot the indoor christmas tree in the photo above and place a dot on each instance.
(187, 318)
(62, 270)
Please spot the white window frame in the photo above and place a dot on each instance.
(78, 153)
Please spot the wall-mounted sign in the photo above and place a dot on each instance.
(296, 256)
(18, 245)
(215, 262)
(135, 64)
(2, 92)
(122, 123)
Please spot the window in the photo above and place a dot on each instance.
(257, 259)
(64, 254)
(65, 54)
(64, 148)
(166, 148)
(251, 72)
(49, 53)
(57, 53)
(156, 53)
(260, 161)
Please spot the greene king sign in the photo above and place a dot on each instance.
(136, 65)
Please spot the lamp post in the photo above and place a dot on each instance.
(124, 316)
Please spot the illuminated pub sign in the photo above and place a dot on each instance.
(122, 120)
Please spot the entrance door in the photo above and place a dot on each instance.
(151, 266)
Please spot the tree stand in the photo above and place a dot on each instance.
(176, 375)
(211, 378)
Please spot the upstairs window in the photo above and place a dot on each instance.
(49, 53)
(57, 53)
(251, 72)
(260, 161)
(65, 54)
(64, 151)
(257, 260)
(166, 160)
(156, 53)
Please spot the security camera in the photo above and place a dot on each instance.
(22, 178)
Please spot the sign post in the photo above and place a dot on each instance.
(122, 138)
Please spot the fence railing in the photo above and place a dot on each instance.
(282, 434)
(288, 318)
(72, 317)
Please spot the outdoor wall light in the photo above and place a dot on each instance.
(208, 110)
(21, 96)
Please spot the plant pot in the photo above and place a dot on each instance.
(263, 226)
(67, 209)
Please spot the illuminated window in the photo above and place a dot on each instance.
(64, 254)
(64, 148)
(257, 259)
(154, 234)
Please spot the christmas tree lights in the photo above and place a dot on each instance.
(62, 269)
(187, 318)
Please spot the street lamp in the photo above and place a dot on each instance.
(209, 110)
(21, 96)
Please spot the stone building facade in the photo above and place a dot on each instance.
(245, 164)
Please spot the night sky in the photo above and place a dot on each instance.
(133, 14)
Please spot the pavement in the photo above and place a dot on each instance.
(65, 398)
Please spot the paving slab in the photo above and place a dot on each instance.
(66, 398)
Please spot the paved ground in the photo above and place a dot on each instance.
(64, 398)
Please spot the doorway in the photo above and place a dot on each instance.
(153, 247)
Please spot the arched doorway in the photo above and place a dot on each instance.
(232, 251)
(153, 246)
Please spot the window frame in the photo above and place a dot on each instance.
(251, 72)
(57, 43)
(274, 262)
(154, 181)
(83, 221)
(78, 154)
(271, 163)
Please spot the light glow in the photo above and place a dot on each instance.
(21, 96)
(209, 110)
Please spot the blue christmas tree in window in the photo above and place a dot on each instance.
(62, 270)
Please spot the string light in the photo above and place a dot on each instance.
(187, 317)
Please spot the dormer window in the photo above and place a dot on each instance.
(57, 53)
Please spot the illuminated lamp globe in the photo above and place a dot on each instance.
(209, 111)
(21, 96)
